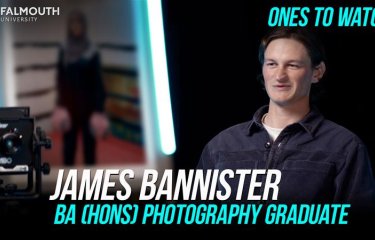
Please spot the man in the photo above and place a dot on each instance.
(320, 161)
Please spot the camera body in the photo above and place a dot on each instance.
(20, 153)
(16, 137)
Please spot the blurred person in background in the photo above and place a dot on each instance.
(80, 92)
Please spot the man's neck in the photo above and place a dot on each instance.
(282, 116)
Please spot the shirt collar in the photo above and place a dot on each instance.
(309, 123)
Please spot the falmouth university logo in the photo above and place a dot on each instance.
(26, 14)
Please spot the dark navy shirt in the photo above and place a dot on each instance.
(320, 161)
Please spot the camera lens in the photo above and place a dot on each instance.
(10, 143)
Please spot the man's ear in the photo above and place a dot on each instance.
(318, 72)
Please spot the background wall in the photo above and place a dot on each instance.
(110, 27)
(33, 54)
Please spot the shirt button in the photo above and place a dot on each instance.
(267, 145)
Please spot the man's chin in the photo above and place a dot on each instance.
(281, 102)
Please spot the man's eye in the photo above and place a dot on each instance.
(271, 64)
(294, 66)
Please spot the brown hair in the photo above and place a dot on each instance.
(312, 44)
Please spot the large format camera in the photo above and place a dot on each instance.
(20, 153)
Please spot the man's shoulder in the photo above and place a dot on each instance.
(240, 128)
(230, 136)
(339, 132)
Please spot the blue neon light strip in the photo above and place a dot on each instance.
(160, 74)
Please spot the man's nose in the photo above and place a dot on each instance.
(281, 74)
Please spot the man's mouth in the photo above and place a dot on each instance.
(282, 86)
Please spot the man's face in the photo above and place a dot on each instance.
(287, 72)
